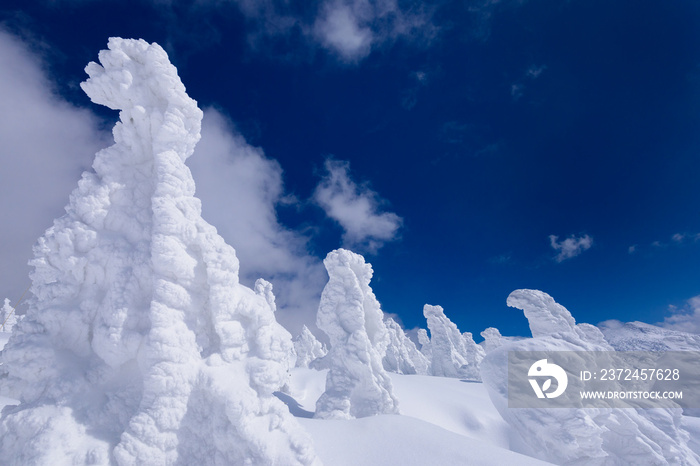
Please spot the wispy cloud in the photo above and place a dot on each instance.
(46, 144)
(685, 318)
(517, 89)
(356, 208)
(348, 29)
(570, 247)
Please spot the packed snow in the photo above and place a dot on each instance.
(141, 346)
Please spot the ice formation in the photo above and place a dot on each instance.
(492, 339)
(402, 356)
(591, 436)
(8, 317)
(308, 348)
(349, 313)
(451, 354)
(140, 345)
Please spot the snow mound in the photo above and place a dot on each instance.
(357, 384)
(452, 354)
(140, 346)
(580, 436)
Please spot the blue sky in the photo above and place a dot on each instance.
(466, 148)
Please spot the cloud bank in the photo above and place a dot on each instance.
(356, 208)
(46, 144)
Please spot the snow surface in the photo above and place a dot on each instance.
(443, 421)
(357, 384)
(140, 345)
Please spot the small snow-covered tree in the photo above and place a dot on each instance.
(8, 318)
(451, 354)
(402, 356)
(308, 348)
(349, 313)
(140, 345)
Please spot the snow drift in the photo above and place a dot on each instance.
(140, 345)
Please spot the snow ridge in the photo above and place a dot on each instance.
(140, 345)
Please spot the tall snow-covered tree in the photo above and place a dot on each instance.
(349, 313)
(452, 355)
(140, 346)
(402, 356)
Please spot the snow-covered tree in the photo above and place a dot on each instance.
(595, 436)
(451, 355)
(349, 313)
(402, 356)
(8, 318)
(424, 341)
(140, 345)
(308, 348)
(492, 339)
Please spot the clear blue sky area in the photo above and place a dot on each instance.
(486, 126)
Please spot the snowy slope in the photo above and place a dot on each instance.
(638, 336)
(443, 421)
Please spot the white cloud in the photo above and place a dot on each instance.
(685, 318)
(632, 249)
(45, 144)
(570, 247)
(349, 29)
(240, 190)
(356, 208)
(339, 29)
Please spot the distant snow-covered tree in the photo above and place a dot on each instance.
(451, 354)
(402, 356)
(424, 341)
(141, 346)
(349, 313)
(8, 318)
(308, 348)
(492, 339)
